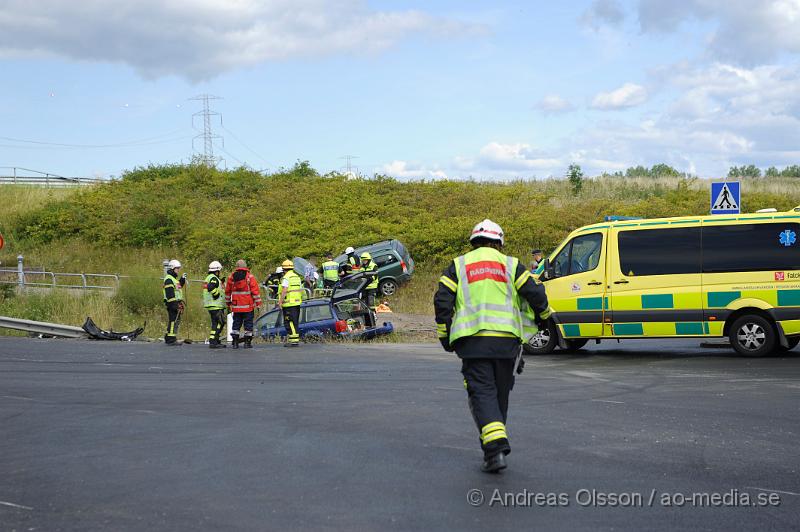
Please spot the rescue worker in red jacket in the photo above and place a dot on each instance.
(487, 304)
(243, 297)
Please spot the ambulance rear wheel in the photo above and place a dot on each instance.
(544, 342)
(753, 335)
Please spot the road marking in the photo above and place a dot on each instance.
(773, 491)
(18, 397)
(608, 401)
(15, 505)
(587, 375)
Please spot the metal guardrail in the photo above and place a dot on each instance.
(26, 176)
(42, 327)
(53, 279)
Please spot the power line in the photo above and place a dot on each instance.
(138, 142)
(112, 146)
(237, 139)
(207, 135)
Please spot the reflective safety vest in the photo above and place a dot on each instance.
(178, 289)
(330, 270)
(208, 296)
(487, 302)
(294, 294)
(373, 284)
(355, 264)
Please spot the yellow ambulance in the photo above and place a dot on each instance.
(732, 276)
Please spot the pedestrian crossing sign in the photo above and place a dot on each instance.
(725, 198)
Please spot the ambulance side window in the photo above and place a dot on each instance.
(581, 254)
(659, 251)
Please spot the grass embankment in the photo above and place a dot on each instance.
(199, 214)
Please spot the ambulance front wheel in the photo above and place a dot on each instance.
(753, 335)
(544, 342)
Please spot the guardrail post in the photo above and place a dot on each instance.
(83, 278)
(165, 264)
(20, 272)
(15, 175)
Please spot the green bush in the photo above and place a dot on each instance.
(203, 214)
(140, 295)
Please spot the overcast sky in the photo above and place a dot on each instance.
(496, 89)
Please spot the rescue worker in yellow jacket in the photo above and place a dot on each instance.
(172, 292)
(214, 303)
(487, 304)
(368, 267)
(291, 296)
(330, 271)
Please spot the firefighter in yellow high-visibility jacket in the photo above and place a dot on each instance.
(291, 297)
(486, 304)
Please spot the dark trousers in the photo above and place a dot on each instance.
(328, 284)
(173, 321)
(291, 320)
(488, 382)
(217, 323)
(242, 318)
(370, 297)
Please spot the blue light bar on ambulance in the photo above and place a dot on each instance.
(615, 218)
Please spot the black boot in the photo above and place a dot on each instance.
(248, 342)
(235, 338)
(494, 464)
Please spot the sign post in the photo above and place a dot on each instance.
(726, 198)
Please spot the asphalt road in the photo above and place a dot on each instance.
(137, 436)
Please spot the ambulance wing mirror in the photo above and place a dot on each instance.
(548, 272)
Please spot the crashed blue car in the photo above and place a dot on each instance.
(342, 315)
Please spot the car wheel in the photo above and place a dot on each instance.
(793, 341)
(574, 345)
(387, 287)
(752, 335)
(544, 342)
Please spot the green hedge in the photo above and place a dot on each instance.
(225, 215)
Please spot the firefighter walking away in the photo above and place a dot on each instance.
(487, 304)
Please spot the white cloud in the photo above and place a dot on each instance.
(603, 12)
(748, 32)
(629, 95)
(499, 160)
(198, 39)
(723, 115)
(406, 170)
(553, 103)
(720, 115)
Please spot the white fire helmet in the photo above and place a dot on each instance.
(349, 250)
(215, 266)
(278, 270)
(174, 263)
(488, 229)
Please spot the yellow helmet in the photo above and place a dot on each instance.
(366, 256)
(287, 265)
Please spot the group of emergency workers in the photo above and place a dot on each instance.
(487, 304)
(240, 295)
